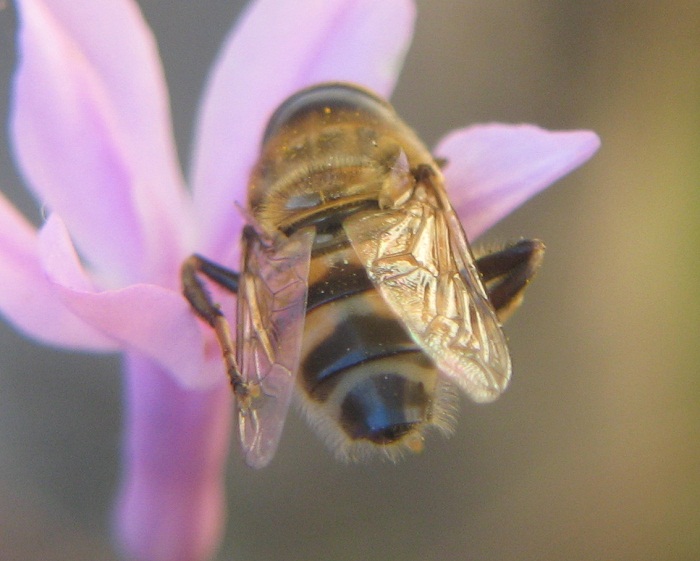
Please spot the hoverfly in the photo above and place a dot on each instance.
(358, 285)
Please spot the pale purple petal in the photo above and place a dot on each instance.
(28, 299)
(279, 47)
(91, 132)
(171, 506)
(153, 320)
(493, 169)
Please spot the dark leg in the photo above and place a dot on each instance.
(505, 274)
(199, 298)
(196, 293)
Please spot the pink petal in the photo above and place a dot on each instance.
(493, 169)
(92, 135)
(278, 47)
(148, 318)
(171, 505)
(28, 299)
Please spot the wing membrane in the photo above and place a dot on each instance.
(271, 311)
(418, 258)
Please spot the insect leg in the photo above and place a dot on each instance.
(199, 298)
(505, 274)
(196, 293)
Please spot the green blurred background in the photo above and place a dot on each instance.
(594, 451)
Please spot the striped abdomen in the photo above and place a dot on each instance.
(358, 364)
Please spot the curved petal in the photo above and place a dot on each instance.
(278, 47)
(153, 320)
(171, 505)
(91, 131)
(28, 299)
(493, 169)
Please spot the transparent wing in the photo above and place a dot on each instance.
(271, 311)
(418, 258)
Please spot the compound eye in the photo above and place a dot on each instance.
(331, 96)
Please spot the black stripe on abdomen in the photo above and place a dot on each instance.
(357, 340)
(338, 283)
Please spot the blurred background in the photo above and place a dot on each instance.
(594, 451)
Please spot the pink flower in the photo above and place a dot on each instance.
(92, 136)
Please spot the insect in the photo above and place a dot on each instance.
(358, 286)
